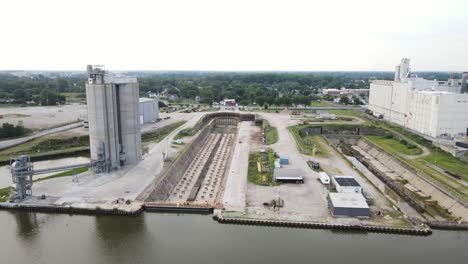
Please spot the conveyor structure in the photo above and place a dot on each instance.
(22, 172)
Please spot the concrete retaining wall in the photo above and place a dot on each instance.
(357, 130)
(445, 199)
(70, 210)
(177, 169)
(295, 224)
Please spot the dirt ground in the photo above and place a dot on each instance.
(308, 201)
(42, 117)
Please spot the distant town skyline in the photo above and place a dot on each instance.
(239, 35)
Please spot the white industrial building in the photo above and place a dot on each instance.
(149, 110)
(348, 204)
(430, 107)
(346, 184)
(113, 116)
(344, 92)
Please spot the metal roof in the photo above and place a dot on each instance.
(346, 181)
(348, 200)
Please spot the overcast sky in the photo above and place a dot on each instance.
(234, 35)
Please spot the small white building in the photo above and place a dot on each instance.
(324, 178)
(149, 110)
(346, 184)
(348, 204)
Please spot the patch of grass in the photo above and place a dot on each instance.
(409, 136)
(350, 112)
(74, 97)
(421, 166)
(160, 133)
(321, 103)
(393, 145)
(271, 133)
(4, 194)
(46, 146)
(64, 174)
(306, 143)
(254, 175)
(61, 153)
(449, 163)
(184, 133)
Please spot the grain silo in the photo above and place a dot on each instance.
(113, 116)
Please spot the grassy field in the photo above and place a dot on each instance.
(161, 133)
(447, 162)
(254, 175)
(351, 112)
(4, 194)
(41, 147)
(271, 133)
(421, 166)
(321, 103)
(306, 143)
(74, 97)
(437, 157)
(394, 145)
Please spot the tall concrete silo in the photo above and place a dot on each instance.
(113, 116)
(464, 82)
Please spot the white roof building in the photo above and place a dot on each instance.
(348, 204)
(346, 184)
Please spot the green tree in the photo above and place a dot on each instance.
(356, 100)
(8, 130)
(20, 96)
(344, 100)
(61, 84)
(260, 100)
(48, 97)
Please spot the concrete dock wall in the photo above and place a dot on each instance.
(348, 130)
(177, 169)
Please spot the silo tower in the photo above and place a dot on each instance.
(113, 116)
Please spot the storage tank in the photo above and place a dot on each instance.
(113, 117)
(463, 84)
(404, 68)
(397, 73)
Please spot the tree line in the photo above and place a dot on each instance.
(270, 88)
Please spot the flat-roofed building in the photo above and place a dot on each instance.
(348, 204)
(346, 184)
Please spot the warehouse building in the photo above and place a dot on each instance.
(430, 107)
(348, 204)
(149, 110)
(346, 184)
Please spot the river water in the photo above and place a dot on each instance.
(5, 176)
(172, 238)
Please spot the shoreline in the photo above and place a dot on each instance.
(137, 209)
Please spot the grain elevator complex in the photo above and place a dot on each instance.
(113, 116)
(430, 107)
